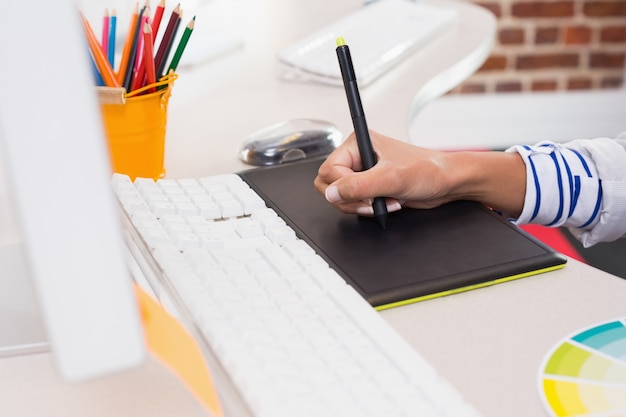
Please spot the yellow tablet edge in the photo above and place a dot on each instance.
(467, 288)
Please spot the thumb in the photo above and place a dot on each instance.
(359, 186)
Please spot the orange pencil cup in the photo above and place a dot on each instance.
(135, 130)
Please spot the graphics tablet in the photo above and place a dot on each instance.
(421, 254)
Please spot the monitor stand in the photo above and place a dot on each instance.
(22, 329)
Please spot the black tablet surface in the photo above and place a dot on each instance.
(421, 254)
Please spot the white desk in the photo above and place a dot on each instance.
(497, 121)
(215, 106)
(488, 343)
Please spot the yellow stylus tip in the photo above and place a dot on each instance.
(341, 41)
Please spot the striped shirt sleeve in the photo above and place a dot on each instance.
(579, 184)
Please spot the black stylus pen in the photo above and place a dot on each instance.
(366, 150)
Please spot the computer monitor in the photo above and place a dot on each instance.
(57, 174)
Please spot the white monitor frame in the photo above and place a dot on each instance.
(58, 173)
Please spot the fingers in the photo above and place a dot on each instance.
(342, 162)
(345, 161)
(342, 171)
(361, 207)
(331, 192)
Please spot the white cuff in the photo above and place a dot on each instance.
(580, 184)
(562, 187)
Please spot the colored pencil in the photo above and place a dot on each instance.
(121, 72)
(106, 72)
(112, 37)
(139, 79)
(96, 72)
(148, 54)
(105, 31)
(139, 72)
(130, 67)
(140, 37)
(156, 20)
(167, 40)
(182, 44)
(140, 64)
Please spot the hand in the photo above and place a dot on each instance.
(396, 176)
(411, 176)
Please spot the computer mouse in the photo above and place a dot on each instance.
(289, 141)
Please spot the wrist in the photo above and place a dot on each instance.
(496, 179)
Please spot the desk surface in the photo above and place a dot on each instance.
(488, 343)
(214, 107)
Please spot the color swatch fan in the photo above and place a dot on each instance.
(585, 374)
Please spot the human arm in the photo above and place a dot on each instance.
(580, 184)
(417, 177)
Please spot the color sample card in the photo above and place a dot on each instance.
(585, 374)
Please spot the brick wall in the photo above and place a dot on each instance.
(553, 45)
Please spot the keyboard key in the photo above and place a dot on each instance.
(294, 338)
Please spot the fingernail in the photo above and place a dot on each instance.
(365, 211)
(394, 206)
(332, 194)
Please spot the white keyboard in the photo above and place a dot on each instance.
(380, 35)
(293, 337)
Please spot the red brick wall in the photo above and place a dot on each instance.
(553, 45)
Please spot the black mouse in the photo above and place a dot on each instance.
(290, 141)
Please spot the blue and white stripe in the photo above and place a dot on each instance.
(579, 184)
(562, 187)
